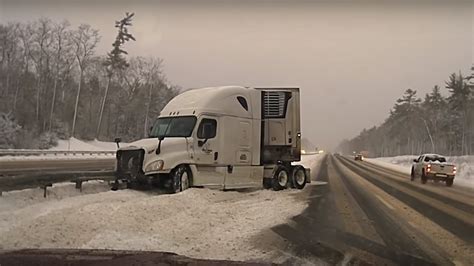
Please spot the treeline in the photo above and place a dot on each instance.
(54, 84)
(435, 124)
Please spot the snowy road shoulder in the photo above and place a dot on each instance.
(199, 223)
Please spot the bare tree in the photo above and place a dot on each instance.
(61, 46)
(150, 70)
(85, 40)
(8, 52)
(41, 41)
(59, 67)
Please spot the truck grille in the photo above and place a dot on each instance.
(129, 163)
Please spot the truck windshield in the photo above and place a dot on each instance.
(181, 126)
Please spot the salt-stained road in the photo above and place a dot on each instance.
(353, 212)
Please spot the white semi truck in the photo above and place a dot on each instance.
(220, 137)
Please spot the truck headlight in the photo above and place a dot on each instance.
(155, 166)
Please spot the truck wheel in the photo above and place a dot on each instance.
(423, 177)
(142, 180)
(449, 182)
(180, 179)
(280, 178)
(115, 185)
(298, 177)
(412, 175)
(267, 183)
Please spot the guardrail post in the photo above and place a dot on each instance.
(44, 187)
(79, 185)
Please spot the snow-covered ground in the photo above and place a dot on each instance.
(73, 144)
(464, 165)
(200, 223)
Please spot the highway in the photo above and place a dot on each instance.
(362, 213)
(357, 213)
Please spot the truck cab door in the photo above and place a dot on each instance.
(206, 148)
(206, 153)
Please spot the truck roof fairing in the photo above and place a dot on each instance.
(215, 100)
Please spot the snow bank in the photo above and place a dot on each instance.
(74, 144)
(200, 223)
(464, 165)
(18, 199)
(105, 145)
(312, 161)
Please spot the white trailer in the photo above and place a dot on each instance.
(220, 137)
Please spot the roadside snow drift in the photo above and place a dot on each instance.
(72, 144)
(464, 165)
(199, 223)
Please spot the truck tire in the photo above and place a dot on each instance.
(180, 179)
(298, 177)
(267, 183)
(280, 178)
(449, 181)
(412, 175)
(424, 178)
(115, 185)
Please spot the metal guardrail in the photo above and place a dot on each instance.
(7, 152)
(47, 179)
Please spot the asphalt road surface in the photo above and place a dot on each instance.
(365, 214)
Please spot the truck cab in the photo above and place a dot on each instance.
(220, 137)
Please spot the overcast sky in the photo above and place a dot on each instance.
(351, 61)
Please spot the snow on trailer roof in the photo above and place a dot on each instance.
(218, 100)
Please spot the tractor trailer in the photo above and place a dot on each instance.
(220, 137)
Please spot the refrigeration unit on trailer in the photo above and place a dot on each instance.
(220, 137)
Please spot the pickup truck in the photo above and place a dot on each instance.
(435, 167)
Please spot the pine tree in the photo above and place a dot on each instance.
(115, 61)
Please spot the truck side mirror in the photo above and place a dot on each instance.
(118, 140)
(201, 142)
(415, 160)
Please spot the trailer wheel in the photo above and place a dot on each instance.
(180, 179)
(298, 177)
(280, 178)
